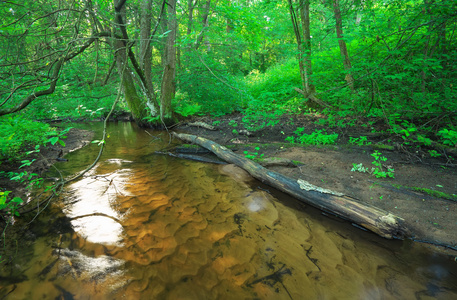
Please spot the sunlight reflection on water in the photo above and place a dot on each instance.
(92, 209)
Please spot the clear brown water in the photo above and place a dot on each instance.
(148, 226)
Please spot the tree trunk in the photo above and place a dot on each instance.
(205, 24)
(296, 28)
(190, 17)
(134, 102)
(342, 44)
(374, 219)
(308, 70)
(145, 44)
(304, 51)
(168, 87)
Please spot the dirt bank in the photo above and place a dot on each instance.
(431, 218)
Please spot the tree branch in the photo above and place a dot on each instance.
(57, 65)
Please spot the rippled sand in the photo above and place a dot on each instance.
(168, 231)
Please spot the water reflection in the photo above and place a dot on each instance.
(154, 227)
(92, 205)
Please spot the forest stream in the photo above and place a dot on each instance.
(142, 225)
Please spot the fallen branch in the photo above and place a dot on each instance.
(202, 125)
(372, 218)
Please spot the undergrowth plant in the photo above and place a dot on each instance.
(253, 155)
(360, 141)
(258, 119)
(11, 205)
(18, 134)
(318, 137)
(448, 137)
(29, 179)
(378, 171)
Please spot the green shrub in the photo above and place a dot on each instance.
(318, 137)
(448, 137)
(274, 88)
(216, 92)
(17, 135)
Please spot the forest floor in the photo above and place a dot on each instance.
(429, 215)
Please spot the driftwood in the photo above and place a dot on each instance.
(367, 216)
(202, 125)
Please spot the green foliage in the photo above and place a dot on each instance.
(423, 140)
(151, 119)
(10, 206)
(376, 171)
(18, 135)
(434, 153)
(188, 110)
(360, 141)
(29, 179)
(56, 137)
(233, 123)
(318, 137)
(406, 131)
(401, 66)
(216, 92)
(359, 168)
(449, 137)
(290, 139)
(253, 155)
(255, 120)
(274, 89)
(401, 53)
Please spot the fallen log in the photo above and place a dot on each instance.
(367, 216)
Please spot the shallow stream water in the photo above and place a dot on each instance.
(141, 225)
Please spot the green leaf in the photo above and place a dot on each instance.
(17, 200)
(54, 140)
